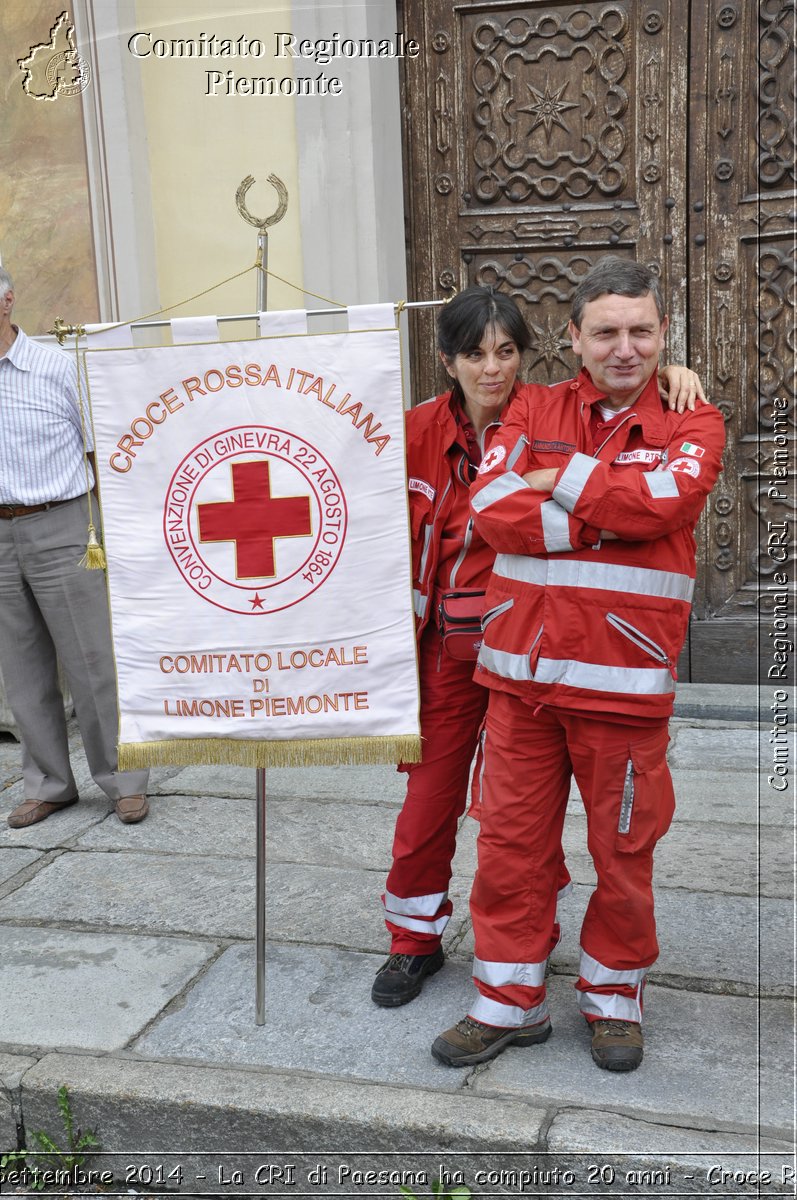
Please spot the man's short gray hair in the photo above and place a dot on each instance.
(6, 282)
(617, 277)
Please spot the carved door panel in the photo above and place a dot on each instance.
(540, 136)
(741, 318)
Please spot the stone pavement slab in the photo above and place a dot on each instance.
(12, 1068)
(10, 761)
(209, 826)
(319, 1018)
(731, 944)
(58, 830)
(703, 1067)
(163, 1106)
(707, 749)
(580, 1132)
(358, 836)
(330, 1068)
(13, 860)
(638, 1154)
(141, 892)
(735, 860)
(88, 991)
(717, 701)
(211, 897)
(357, 785)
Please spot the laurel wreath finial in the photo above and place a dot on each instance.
(279, 212)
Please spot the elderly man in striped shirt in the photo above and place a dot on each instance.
(50, 606)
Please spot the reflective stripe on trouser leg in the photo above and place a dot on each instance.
(496, 981)
(419, 914)
(609, 994)
(506, 1016)
(452, 710)
(513, 902)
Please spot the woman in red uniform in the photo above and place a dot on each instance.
(481, 338)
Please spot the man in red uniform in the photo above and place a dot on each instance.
(589, 494)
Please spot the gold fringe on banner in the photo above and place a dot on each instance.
(310, 752)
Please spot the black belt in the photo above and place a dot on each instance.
(9, 511)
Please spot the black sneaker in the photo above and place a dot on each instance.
(471, 1042)
(400, 979)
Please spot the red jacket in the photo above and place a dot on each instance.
(574, 620)
(437, 467)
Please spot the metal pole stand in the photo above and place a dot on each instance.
(260, 786)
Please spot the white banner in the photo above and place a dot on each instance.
(255, 527)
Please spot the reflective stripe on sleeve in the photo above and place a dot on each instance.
(661, 485)
(573, 480)
(555, 527)
(501, 974)
(516, 451)
(596, 973)
(415, 906)
(503, 486)
(419, 603)
(506, 1016)
(609, 577)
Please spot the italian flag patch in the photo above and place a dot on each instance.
(691, 448)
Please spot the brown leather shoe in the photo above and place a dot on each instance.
(30, 812)
(131, 809)
(617, 1045)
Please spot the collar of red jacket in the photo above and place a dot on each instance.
(453, 414)
(648, 410)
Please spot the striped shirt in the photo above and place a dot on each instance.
(41, 441)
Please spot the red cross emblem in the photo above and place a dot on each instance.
(254, 519)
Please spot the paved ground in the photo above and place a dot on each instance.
(128, 974)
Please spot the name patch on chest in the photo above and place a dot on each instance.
(643, 456)
(420, 485)
(553, 447)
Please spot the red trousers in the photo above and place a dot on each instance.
(625, 783)
(416, 903)
(417, 907)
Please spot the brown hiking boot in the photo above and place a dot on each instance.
(617, 1045)
(470, 1042)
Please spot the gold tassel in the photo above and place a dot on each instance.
(94, 558)
(308, 752)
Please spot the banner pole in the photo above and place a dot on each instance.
(260, 897)
(260, 785)
(260, 774)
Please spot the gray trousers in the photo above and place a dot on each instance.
(51, 608)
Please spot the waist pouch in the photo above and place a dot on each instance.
(460, 623)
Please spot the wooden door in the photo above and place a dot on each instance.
(741, 231)
(540, 136)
